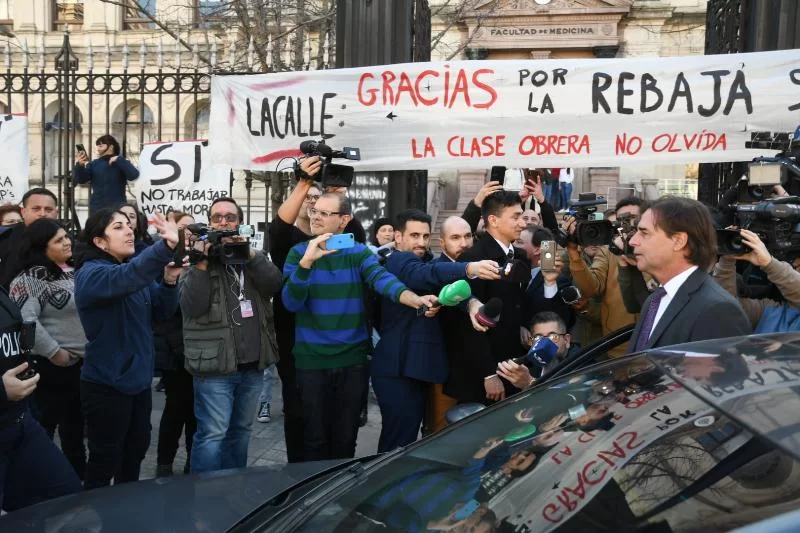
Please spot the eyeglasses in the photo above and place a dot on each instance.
(227, 218)
(324, 214)
(553, 336)
(312, 197)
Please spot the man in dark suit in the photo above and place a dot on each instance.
(455, 237)
(676, 244)
(473, 378)
(410, 355)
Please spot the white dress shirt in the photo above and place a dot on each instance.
(671, 287)
(506, 249)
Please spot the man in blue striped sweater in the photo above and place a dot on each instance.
(325, 290)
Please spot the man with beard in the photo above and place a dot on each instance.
(410, 355)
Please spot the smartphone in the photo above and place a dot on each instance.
(340, 242)
(547, 256)
(498, 174)
(80, 148)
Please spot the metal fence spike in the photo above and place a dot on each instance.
(125, 56)
(160, 55)
(143, 56)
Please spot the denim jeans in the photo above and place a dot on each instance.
(331, 400)
(225, 407)
(566, 194)
(266, 387)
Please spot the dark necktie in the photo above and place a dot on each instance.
(649, 319)
(510, 255)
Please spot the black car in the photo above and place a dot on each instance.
(698, 437)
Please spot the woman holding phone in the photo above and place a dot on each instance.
(108, 173)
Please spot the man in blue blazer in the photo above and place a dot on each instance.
(411, 355)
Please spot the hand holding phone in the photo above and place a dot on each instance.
(547, 256)
(340, 242)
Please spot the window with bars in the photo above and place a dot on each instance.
(6, 16)
(67, 13)
(135, 18)
(211, 13)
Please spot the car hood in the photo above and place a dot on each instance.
(209, 502)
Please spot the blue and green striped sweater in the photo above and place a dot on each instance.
(328, 302)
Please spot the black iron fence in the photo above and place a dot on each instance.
(138, 96)
(72, 100)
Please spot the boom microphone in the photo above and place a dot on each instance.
(489, 314)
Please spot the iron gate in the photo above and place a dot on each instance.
(74, 100)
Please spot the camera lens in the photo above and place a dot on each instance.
(737, 245)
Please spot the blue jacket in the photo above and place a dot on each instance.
(412, 346)
(117, 304)
(108, 181)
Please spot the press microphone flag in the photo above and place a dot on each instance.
(454, 293)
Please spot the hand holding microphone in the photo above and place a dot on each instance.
(451, 295)
(485, 316)
(542, 352)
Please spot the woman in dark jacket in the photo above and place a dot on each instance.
(118, 300)
(178, 416)
(108, 174)
(45, 292)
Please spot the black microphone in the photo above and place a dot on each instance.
(316, 148)
(489, 313)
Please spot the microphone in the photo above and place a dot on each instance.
(316, 148)
(454, 293)
(489, 314)
(542, 352)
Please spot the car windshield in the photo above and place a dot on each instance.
(623, 445)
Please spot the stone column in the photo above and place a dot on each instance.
(96, 15)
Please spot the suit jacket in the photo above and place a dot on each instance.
(412, 346)
(535, 302)
(700, 310)
(482, 351)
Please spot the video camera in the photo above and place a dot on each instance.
(228, 253)
(591, 228)
(747, 204)
(330, 174)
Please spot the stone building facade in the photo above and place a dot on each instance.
(566, 29)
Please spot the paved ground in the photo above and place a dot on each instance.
(267, 446)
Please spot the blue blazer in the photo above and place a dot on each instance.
(412, 346)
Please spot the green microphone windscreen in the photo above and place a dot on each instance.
(455, 293)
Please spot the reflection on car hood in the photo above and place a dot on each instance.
(753, 379)
(669, 437)
(206, 502)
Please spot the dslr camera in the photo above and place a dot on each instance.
(228, 253)
(330, 174)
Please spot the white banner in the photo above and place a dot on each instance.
(179, 176)
(548, 113)
(14, 164)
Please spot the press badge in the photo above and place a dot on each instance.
(246, 306)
